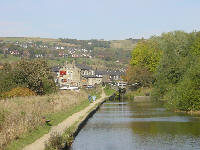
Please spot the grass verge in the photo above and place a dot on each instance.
(34, 134)
(108, 91)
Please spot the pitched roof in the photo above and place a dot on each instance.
(55, 69)
(109, 72)
(83, 67)
(91, 76)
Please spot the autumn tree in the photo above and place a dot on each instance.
(144, 61)
(35, 75)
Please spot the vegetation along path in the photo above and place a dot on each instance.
(60, 128)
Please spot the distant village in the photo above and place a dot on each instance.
(23, 49)
(75, 76)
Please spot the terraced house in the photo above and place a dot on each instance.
(69, 76)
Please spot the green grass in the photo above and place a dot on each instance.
(55, 118)
(142, 91)
(109, 91)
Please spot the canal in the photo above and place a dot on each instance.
(138, 126)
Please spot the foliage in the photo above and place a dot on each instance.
(177, 77)
(171, 63)
(139, 74)
(18, 92)
(186, 95)
(35, 75)
(26, 78)
(144, 61)
(108, 90)
(146, 54)
(55, 142)
(6, 79)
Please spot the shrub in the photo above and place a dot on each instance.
(18, 92)
(55, 142)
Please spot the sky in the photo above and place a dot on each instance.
(97, 19)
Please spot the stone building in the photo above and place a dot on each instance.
(110, 75)
(69, 76)
(91, 80)
(85, 70)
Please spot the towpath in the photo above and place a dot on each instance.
(61, 127)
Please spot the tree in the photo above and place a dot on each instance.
(174, 62)
(144, 62)
(35, 75)
(6, 78)
(147, 54)
(139, 74)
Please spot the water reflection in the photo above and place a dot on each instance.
(138, 126)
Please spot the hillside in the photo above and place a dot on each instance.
(97, 53)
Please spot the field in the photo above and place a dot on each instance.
(126, 45)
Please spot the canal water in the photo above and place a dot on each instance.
(138, 126)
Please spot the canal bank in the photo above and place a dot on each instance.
(78, 118)
(139, 125)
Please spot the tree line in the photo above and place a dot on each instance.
(170, 64)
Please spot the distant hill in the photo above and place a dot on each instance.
(126, 45)
(102, 53)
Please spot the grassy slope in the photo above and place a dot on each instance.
(124, 44)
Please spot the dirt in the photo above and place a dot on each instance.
(39, 144)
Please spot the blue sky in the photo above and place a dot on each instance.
(97, 19)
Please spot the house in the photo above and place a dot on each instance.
(104, 74)
(55, 70)
(121, 84)
(109, 76)
(91, 80)
(88, 76)
(116, 75)
(85, 70)
(69, 76)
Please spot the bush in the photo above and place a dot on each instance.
(55, 142)
(18, 92)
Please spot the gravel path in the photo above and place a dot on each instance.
(39, 144)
